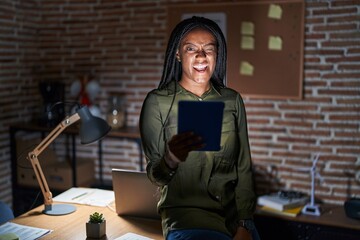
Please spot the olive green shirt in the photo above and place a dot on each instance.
(210, 190)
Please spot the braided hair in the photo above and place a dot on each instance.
(172, 69)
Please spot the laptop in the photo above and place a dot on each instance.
(135, 195)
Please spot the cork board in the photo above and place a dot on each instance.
(265, 44)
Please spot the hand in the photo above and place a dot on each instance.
(242, 234)
(180, 145)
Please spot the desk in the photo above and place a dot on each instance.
(333, 224)
(72, 226)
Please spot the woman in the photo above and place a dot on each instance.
(203, 195)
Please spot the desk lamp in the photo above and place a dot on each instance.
(312, 208)
(91, 129)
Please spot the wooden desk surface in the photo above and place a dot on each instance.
(332, 215)
(72, 226)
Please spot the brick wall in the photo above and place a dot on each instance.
(122, 43)
(285, 135)
(18, 93)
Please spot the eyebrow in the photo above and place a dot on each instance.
(206, 44)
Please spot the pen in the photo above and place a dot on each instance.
(79, 195)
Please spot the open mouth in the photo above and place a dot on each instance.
(200, 68)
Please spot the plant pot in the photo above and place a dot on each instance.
(95, 230)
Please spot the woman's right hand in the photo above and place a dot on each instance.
(180, 145)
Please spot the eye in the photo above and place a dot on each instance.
(190, 49)
(210, 49)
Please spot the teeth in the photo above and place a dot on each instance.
(200, 67)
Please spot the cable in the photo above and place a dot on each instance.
(35, 200)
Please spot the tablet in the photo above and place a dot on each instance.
(204, 119)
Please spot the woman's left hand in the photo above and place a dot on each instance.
(183, 143)
(242, 234)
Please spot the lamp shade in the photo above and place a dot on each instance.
(92, 128)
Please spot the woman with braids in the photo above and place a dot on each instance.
(203, 195)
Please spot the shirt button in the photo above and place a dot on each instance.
(218, 197)
(200, 99)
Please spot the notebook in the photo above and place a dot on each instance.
(204, 119)
(135, 195)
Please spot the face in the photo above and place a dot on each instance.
(197, 53)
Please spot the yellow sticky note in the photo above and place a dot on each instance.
(247, 42)
(246, 69)
(247, 28)
(275, 43)
(275, 11)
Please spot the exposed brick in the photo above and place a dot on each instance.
(351, 67)
(339, 142)
(292, 123)
(311, 59)
(344, 3)
(341, 44)
(294, 139)
(345, 18)
(333, 11)
(345, 117)
(332, 92)
(349, 150)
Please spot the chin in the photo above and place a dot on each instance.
(202, 81)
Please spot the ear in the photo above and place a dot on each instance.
(178, 56)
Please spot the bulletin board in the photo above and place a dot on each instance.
(265, 44)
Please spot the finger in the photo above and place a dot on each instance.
(185, 149)
(188, 144)
(181, 137)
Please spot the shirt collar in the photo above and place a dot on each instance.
(180, 89)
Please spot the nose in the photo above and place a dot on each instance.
(201, 53)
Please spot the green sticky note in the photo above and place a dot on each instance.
(246, 69)
(275, 11)
(9, 236)
(247, 28)
(275, 43)
(247, 42)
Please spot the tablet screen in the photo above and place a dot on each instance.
(204, 119)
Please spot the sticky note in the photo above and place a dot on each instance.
(247, 42)
(9, 236)
(246, 68)
(247, 28)
(275, 11)
(275, 43)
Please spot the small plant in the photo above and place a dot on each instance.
(96, 218)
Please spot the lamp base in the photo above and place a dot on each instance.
(59, 209)
(310, 209)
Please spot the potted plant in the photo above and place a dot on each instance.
(96, 226)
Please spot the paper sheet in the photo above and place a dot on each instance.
(23, 232)
(87, 196)
(132, 236)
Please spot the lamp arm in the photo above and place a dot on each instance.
(33, 155)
